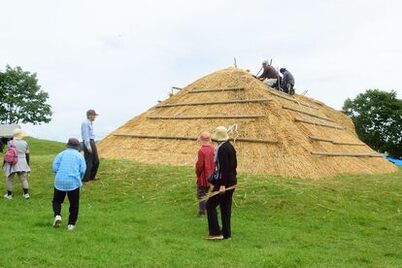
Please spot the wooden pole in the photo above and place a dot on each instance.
(319, 124)
(307, 113)
(315, 138)
(348, 154)
(205, 198)
(206, 117)
(282, 95)
(161, 137)
(216, 89)
(212, 102)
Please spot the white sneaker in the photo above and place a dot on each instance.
(26, 196)
(70, 227)
(7, 196)
(57, 221)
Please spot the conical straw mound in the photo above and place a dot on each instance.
(273, 132)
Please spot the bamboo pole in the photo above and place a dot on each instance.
(315, 138)
(348, 154)
(348, 143)
(307, 113)
(212, 102)
(292, 99)
(191, 138)
(253, 140)
(216, 89)
(335, 142)
(319, 124)
(156, 137)
(206, 117)
(215, 193)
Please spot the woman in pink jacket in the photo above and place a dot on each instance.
(203, 168)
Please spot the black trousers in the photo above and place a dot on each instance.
(73, 198)
(225, 204)
(288, 88)
(92, 161)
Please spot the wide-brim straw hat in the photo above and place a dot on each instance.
(19, 134)
(204, 138)
(221, 134)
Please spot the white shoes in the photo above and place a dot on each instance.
(9, 197)
(57, 221)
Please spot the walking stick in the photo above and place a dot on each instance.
(215, 193)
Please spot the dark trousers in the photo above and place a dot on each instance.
(202, 205)
(225, 203)
(92, 161)
(288, 88)
(73, 198)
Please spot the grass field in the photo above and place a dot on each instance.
(141, 215)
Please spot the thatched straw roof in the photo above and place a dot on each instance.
(276, 133)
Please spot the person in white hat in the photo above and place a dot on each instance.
(20, 166)
(226, 162)
(204, 167)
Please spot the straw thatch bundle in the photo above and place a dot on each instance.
(276, 133)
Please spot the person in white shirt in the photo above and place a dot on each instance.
(89, 146)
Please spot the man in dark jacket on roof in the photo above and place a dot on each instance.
(288, 81)
(269, 75)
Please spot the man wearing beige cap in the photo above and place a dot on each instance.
(90, 151)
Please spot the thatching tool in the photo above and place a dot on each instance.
(258, 73)
(215, 193)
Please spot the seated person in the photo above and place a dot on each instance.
(288, 81)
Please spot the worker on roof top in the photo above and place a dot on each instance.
(269, 76)
(288, 81)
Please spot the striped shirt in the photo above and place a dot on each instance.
(69, 167)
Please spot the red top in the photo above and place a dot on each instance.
(205, 165)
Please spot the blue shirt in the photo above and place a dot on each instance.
(69, 167)
(87, 132)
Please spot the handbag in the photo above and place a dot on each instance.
(214, 178)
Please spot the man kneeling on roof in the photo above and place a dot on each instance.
(269, 76)
(288, 81)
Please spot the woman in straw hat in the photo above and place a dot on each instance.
(21, 168)
(226, 162)
(204, 167)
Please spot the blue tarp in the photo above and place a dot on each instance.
(397, 162)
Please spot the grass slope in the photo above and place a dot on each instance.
(145, 215)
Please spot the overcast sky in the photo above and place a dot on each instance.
(120, 57)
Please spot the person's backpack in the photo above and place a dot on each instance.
(11, 155)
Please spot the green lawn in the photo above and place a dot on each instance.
(145, 215)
